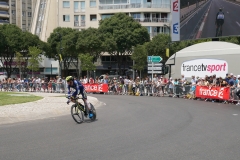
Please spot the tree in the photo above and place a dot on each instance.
(120, 34)
(20, 62)
(11, 43)
(28, 40)
(140, 57)
(86, 62)
(63, 42)
(35, 58)
(158, 45)
(89, 42)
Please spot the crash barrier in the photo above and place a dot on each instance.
(220, 93)
(95, 87)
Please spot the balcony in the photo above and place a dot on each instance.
(131, 6)
(5, 21)
(79, 24)
(4, 14)
(4, 5)
(152, 20)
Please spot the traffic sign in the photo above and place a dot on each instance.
(157, 72)
(154, 68)
(154, 59)
(155, 64)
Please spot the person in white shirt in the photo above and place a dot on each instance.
(126, 82)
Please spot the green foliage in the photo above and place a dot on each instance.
(86, 62)
(89, 42)
(158, 45)
(11, 43)
(140, 57)
(19, 60)
(230, 39)
(120, 33)
(63, 42)
(35, 58)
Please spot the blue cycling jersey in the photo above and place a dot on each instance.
(79, 88)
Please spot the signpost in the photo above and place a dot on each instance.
(155, 67)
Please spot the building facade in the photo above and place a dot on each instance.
(81, 14)
(18, 12)
(41, 17)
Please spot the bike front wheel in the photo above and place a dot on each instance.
(77, 114)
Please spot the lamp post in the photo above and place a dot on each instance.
(169, 43)
(60, 36)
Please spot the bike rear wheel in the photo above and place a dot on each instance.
(77, 114)
(93, 118)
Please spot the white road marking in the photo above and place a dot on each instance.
(235, 114)
(232, 3)
(238, 23)
(202, 25)
(228, 12)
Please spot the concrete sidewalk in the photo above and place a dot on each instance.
(52, 105)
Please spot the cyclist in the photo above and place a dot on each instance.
(79, 89)
(219, 19)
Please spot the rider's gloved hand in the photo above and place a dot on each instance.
(68, 102)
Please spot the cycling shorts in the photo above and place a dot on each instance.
(82, 92)
(220, 22)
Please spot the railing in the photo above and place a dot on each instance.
(153, 20)
(133, 5)
(4, 21)
(80, 24)
(4, 3)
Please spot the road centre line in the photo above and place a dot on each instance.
(238, 23)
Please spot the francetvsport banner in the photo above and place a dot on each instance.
(213, 92)
(96, 87)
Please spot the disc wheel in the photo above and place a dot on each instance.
(93, 112)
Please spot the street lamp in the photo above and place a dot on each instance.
(169, 43)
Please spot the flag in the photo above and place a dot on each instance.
(60, 57)
(167, 52)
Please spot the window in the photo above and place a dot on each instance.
(92, 4)
(66, 4)
(82, 6)
(66, 18)
(76, 6)
(23, 13)
(93, 17)
(136, 15)
(29, 14)
(103, 16)
(76, 20)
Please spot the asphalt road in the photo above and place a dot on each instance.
(231, 23)
(191, 26)
(131, 127)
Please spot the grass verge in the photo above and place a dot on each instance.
(7, 98)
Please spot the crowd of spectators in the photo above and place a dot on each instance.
(123, 85)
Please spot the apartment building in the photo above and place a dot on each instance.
(17, 12)
(80, 14)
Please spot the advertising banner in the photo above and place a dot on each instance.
(175, 12)
(213, 92)
(96, 87)
(203, 67)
